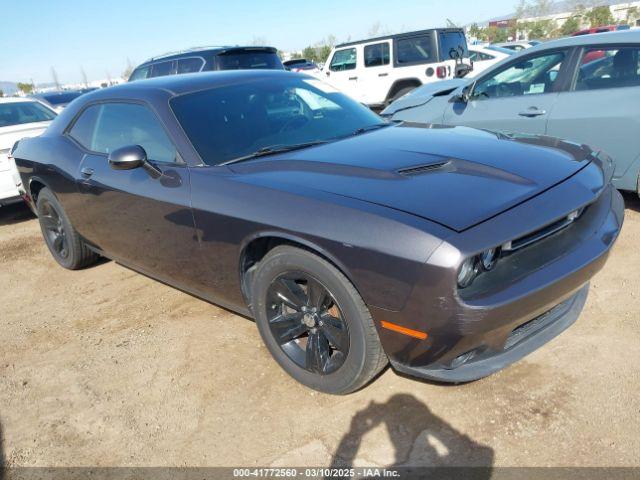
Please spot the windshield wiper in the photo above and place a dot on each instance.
(375, 126)
(272, 150)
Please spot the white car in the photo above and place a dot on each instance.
(483, 58)
(19, 118)
(380, 70)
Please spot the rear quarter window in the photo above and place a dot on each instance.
(416, 50)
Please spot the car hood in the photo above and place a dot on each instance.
(455, 176)
(424, 94)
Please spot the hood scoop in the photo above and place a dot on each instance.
(420, 169)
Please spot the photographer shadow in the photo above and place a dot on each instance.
(420, 440)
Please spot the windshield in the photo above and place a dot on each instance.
(15, 113)
(249, 59)
(234, 121)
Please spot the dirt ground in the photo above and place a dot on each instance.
(106, 367)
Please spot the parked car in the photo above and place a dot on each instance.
(207, 59)
(484, 58)
(19, 117)
(516, 46)
(59, 99)
(300, 65)
(379, 70)
(581, 88)
(451, 252)
(602, 29)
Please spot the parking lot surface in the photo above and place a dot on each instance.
(107, 367)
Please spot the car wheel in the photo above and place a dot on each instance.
(314, 322)
(66, 246)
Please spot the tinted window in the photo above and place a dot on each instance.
(249, 59)
(376, 55)
(83, 128)
(527, 77)
(161, 69)
(236, 120)
(140, 73)
(104, 128)
(15, 113)
(420, 49)
(343, 60)
(452, 45)
(190, 65)
(609, 68)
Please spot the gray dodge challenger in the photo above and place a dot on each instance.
(449, 252)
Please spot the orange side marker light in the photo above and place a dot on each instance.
(404, 330)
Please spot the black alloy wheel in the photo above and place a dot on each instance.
(307, 322)
(53, 230)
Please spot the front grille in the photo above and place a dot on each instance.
(526, 329)
(544, 232)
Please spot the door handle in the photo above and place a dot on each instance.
(87, 171)
(383, 74)
(532, 112)
(353, 78)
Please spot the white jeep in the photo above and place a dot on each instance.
(380, 70)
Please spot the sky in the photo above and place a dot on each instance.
(99, 36)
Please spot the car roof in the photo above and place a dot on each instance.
(621, 36)
(17, 99)
(199, 51)
(399, 35)
(187, 83)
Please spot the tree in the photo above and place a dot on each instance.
(85, 82)
(128, 70)
(495, 34)
(475, 31)
(633, 14)
(599, 16)
(54, 76)
(25, 88)
(570, 26)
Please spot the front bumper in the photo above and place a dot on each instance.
(527, 300)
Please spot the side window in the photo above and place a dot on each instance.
(83, 128)
(527, 77)
(161, 69)
(475, 56)
(486, 56)
(413, 50)
(343, 60)
(106, 127)
(452, 45)
(140, 73)
(609, 68)
(190, 65)
(376, 55)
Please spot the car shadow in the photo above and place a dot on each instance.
(631, 201)
(15, 213)
(2, 457)
(420, 440)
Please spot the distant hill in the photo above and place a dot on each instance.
(9, 88)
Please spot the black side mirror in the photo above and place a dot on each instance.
(128, 158)
(465, 95)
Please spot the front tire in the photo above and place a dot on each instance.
(65, 244)
(314, 322)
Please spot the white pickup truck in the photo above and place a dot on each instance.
(19, 118)
(380, 70)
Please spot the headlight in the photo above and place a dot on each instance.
(489, 258)
(468, 271)
(474, 266)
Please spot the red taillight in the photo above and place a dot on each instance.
(441, 72)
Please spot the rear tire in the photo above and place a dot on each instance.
(314, 322)
(64, 243)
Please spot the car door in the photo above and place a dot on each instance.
(517, 97)
(136, 216)
(600, 108)
(342, 71)
(375, 80)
